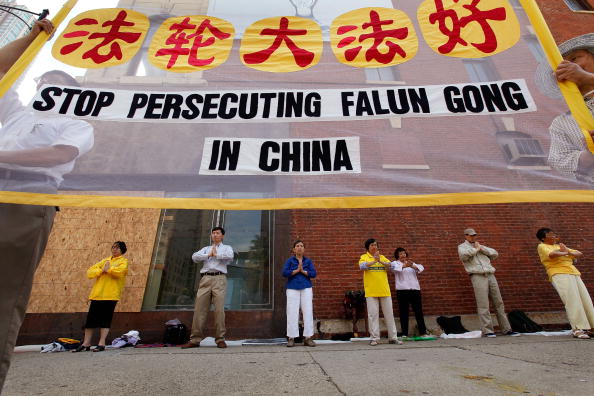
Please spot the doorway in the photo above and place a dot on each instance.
(173, 278)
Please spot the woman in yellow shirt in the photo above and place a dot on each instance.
(558, 261)
(375, 269)
(110, 277)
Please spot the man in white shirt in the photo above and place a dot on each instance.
(477, 263)
(211, 289)
(35, 152)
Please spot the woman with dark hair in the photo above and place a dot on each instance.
(408, 290)
(299, 270)
(110, 277)
(558, 261)
(375, 269)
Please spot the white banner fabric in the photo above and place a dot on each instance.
(495, 97)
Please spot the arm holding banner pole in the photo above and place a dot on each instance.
(11, 52)
(31, 50)
(570, 91)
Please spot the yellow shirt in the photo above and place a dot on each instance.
(556, 265)
(375, 278)
(108, 285)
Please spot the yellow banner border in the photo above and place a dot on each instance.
(570, 92)
(446, 199)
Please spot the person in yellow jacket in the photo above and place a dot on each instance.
(110, 277)
(377, 292)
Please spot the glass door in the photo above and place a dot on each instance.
(173, 279)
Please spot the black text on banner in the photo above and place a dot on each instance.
(498, 97)
(246, 156)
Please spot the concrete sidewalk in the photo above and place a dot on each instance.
(528, 365)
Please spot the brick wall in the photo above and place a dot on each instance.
(564, 23)
(334, 240)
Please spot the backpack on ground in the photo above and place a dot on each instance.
(521, 323)
(176, 334)
(452, 325)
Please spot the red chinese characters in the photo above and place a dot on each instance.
(468, 28)
(202, 43)
(105, 37)
(281, 35)
(367, 37)
(387, 37)
(442, 16)
(296, 44)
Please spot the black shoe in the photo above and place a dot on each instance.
(99, 348)
(82, 348)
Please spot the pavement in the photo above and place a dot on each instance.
(526, 365)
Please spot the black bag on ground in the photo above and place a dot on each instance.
(452, 325)
(175, 334)
(521, 323)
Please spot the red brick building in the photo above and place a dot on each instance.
(161, 281)
(335, 237)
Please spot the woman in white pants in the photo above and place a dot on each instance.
(299, 270)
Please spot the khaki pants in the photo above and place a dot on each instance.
(211, 290)
(24, 230)
(575, 296)
(485, 287)
(373, 304)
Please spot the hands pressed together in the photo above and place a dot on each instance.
(299, 268)
(213, 251)
(407, 263)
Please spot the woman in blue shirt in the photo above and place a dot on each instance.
(299, 270)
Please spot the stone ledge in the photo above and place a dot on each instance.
(549, 320)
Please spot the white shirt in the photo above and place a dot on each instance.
(406, 278)
(568, 143)
(24, 129)
(218, 263)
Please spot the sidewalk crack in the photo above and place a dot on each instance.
(329, 378)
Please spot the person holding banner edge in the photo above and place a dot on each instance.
(35, 152)
(568, 152)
